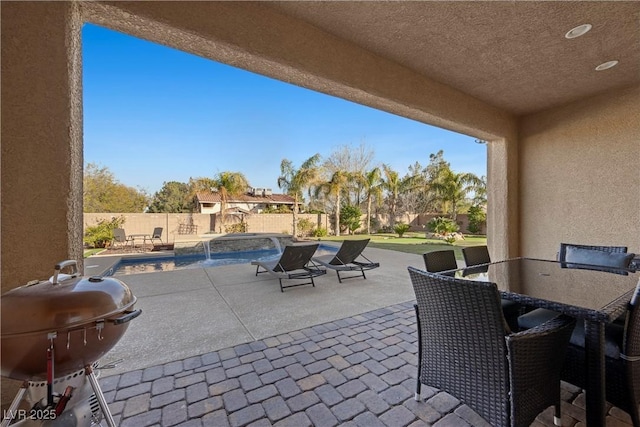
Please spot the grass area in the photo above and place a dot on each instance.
(89, 252)
(414, 243)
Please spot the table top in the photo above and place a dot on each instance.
(582, 291)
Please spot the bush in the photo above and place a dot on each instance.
(401, 228)
(477, 217)
(350, 218)
(305, 227)
(443, 226)
(97, 236)
(319, 232)
(240, 227)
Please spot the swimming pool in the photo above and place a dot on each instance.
(169, 263)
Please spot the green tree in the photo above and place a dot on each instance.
(229, 184)
(103, 193)
(295, 181)
(350, 218)
(173, 197)
(477, 217)
(452, 188)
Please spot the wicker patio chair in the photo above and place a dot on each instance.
(475, 255)
(348, 258)
(622, 360)
(507, 378)
(294, 263)
(579, 256)
(438, 261)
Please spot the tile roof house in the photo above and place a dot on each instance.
(255, 200)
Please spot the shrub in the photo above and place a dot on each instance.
(477, 217)
(350, 218)
(319, 232)
(240, 227)
(401, 228)
(97, 236)
(443, 226)
(385, 229)
(305, 227)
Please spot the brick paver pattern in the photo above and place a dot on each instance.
(358, 371)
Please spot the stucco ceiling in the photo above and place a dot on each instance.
(510, 54)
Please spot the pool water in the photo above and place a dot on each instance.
(150, 265)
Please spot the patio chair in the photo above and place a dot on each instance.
(622, 360)
(346, 259)
(294, 263)
(156, 235)
(507, 378)
(580, 256)
(439, 261)
(120, 237)
(447, 261)
(475, 255)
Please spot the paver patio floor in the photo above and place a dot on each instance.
(220, 347)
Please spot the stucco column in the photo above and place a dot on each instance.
(502, 194)
(41, 164)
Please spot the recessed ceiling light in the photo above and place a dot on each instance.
(578, 31)
(606, 65)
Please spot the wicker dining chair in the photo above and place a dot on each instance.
(475, 255)
(438, 261)
(622, 360)
(508, 379)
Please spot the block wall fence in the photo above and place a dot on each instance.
(181, 225)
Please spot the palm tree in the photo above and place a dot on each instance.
(395, 187)
(372, 186)
(334, 187)
(295, 181)
(452, 188)
(228, 184)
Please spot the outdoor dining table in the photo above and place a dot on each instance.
(589, 293)
(144, 238)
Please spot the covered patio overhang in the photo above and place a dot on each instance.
(563, 147)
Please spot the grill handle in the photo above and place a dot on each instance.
(62, 265)
(128, 316)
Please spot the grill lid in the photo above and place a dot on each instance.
(64, 302)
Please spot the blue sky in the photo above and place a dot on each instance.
(155, 114)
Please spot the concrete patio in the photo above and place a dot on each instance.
(220, 346)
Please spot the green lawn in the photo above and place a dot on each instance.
(89, 252)
(414, 243)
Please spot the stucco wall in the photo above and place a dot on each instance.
(580, 174)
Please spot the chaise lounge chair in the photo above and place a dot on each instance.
(345, 259)
(294, 263)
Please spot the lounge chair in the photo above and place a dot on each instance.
(294, 263)
(346, 259)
